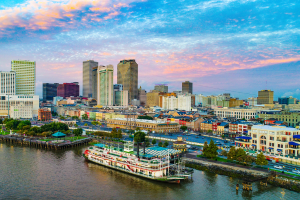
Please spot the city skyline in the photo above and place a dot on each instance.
(241, 52)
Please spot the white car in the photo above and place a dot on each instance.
(296, 171)
(278, 167)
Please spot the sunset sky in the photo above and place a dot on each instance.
(236, 46)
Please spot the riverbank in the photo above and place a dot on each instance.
(245, 173)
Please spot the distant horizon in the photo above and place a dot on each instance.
(232, 46)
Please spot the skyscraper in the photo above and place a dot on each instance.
(265, 97)
(49, 91)
(87, 78)
(161, 88)
(68, 89)
(94, 82)
(187, 87)
(8, 83)
(25, 76)
(128, 77)
(105, 85)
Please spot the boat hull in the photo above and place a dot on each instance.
(131, 173)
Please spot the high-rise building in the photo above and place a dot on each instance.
(68, 89)
(286, 100)
(87, 78)
(187, 87)
(49, 91)
(25, 76)
(128, 76)
(94, 82)
(265, 97)
(105, 85)
(161, 88)
(142, 96)
(8, 83)
(121, 98)
(118, 87)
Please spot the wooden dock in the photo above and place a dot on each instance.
(35, 142)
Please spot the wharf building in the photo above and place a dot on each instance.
(276, 140)
(187, 87)
(49, 91)
(148, 125)
(127, 75)
(161, 88)
(25, 76)
(8, 83)
(68, 89)
(265, 97)
(87, 78)
(105, 91)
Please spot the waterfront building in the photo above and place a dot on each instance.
(19, 106)
(238, 113)
(265, 97)
(148, 125)
(286, 100)
(127, 75)
(25, 76)
(7, 83)
(44, 114)
(87, 78)
(187, 87)
(105, 85)
(272, 139)
(49, 91)
(161, 88)
(180, 145)
(68, 89)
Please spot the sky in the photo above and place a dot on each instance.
(236, 46)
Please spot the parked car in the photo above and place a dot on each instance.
(296, 171)
(278, 167)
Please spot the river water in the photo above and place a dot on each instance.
(30, 173)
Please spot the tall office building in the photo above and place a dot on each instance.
(265, 97)
(25, 76)
(87, 78)
(187, 87)
(94, 82)
(68, 89)
(161, 88)
(105, 85)
(49, 91)
(128, 77)
(8, 83)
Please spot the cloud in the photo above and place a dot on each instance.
(294, 93)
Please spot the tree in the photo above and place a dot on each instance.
(224, 153)
(212, 150)
(84, 116)
(85, 124)
(138, 138)
(205, 149)
(78, 132)
(75, 117)
(183, 128)
(160, 144)
(154, 141)
(240, 155)
(1, 121)
(249, 159)
(76, 125)
(261, 159)
(209, 131)
(147, 142)
(62, 117)
(94, 123)
(231, 154)
(119, 134)
(145, 117)
(166, 143)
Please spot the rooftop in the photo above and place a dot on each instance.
(274, 128)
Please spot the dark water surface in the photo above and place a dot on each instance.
(29, 173)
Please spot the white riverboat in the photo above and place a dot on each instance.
(155, 164)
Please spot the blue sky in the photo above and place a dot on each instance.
(229, 45)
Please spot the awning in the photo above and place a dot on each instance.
(253, 145)
(270, 148)
(58, 134)
(294, 143)
(279, 149)
(296, 136)
(244, 138)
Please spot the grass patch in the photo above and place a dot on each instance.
(72, 139)
(4, 133)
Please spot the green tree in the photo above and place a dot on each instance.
(261, 159)
(166, 143)
(240, 155)
(85, 124)
(249, 159)
(61, 117)
(1, 121)
(138, 138)
(76, 125)
(209, 131)
(224, 153)
(183, 128)
(95, 123)
(147, 142)
(231, 154)
(75, 117)
(205, 149)
(145, 117)
(84, 116)
(212, 150)
(78, 132)
(160, 144)
(154, 141)
(119, 134)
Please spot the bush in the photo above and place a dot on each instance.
(224, 153)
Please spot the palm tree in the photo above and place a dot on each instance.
(138, 138)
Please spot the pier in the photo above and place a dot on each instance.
(35, 142)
